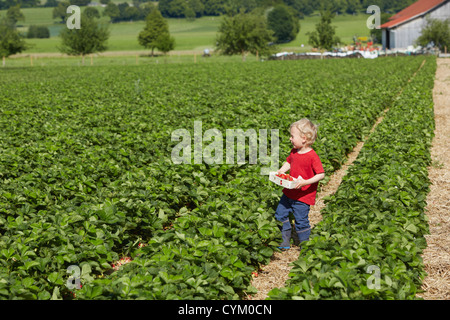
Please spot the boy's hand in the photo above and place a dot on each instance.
(301, 183)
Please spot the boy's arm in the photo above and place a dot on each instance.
(285, 167)
(314, 179)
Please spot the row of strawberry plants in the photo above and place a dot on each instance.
(83, 182)
(185, 263)
(208, 253)
(369, 243)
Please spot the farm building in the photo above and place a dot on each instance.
(405, 27)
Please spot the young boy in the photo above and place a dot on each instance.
(303, 163)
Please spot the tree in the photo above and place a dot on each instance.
(324, 36)
(244, 33)
(165, 43)
(51, 3)
(172, 8)
(177, 8)
(112, 11)
(10, 40)
(90, 38)
(92, 12)
(125, 12)
(338, 6)
(302, 8)
(13, 15)
(353, 6)
(284, 24)
(60, 10)
(235, 6)
(38, 32)
(164, 6)
(80, 3)
(145, 9)
(197, 6)
(189, 14)
(436, 31)
(214, 7)
(131, 13)
(156, 33)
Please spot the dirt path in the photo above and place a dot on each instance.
(436, 256)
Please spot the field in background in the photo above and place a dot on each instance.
(125, 58)
(189, 35)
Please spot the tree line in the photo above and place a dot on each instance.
(116, 12)
(183, 8)
(198, 8)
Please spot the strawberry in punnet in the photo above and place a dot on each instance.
(285, 176)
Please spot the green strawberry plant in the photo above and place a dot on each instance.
(86, 173)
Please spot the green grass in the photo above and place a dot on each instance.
(346, 25)
(189, 35)
(125, 60)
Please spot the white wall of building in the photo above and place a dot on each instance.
(406, 34)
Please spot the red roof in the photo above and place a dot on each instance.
(417, 8)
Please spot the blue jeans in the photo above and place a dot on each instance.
(300, 211)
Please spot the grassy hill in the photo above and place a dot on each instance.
(189, 35)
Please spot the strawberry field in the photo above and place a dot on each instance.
(93, 207)
(376, 220)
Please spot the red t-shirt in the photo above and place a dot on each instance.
(306, 165)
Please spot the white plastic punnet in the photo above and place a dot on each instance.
(282, 182)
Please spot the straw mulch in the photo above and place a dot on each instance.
(436, 256)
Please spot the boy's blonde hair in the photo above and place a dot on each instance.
(307, 128)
